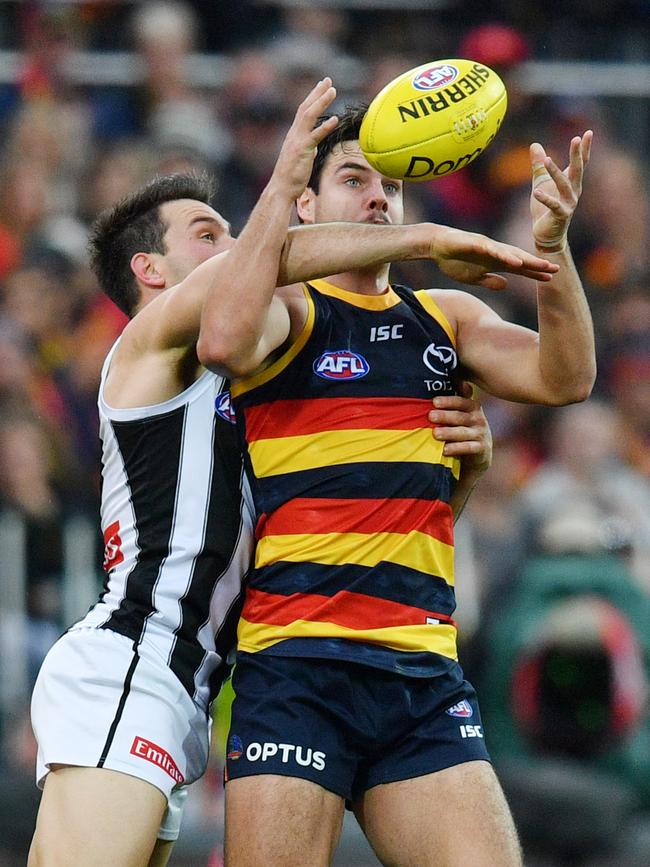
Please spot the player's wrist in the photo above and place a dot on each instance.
(435, 234)
(554, 245)
(281, 190)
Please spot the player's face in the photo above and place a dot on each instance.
(351, 190)
(195, 232)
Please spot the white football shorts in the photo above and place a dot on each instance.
(100, 702)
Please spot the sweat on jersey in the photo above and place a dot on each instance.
(351, 490)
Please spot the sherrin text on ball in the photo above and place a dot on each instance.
(433, 120)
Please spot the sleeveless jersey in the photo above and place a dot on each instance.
(354, 530)
(177, 529)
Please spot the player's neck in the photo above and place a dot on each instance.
(369, 281)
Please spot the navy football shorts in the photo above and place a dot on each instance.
(345, 726)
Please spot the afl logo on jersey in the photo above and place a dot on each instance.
(463, 709)
(440, 359)
(341, 364)
(224, 408)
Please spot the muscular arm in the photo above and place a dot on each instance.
(557, 365)
(243, 320)
(553, 367)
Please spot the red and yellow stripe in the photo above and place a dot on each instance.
(316, 515)
(269, 618)
(295, 454)
(283, 418)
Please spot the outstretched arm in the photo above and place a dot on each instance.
(557, 365)
(317, 250)
(565, 328)
(241, 321)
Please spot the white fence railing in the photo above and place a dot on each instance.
(79, 588)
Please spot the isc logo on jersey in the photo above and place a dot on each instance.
(224, 408)
(341, 364)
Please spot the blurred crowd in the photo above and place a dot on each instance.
(564, 482)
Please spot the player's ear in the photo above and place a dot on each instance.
(305, 206)
(144, 267)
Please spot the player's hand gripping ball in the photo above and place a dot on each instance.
(433, 120)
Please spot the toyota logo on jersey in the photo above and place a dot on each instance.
(440, 359)
(341, 364)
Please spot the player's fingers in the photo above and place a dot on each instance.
(454, 434)
(492, 281)
(322, 102)
(452, 417)
(540, 175)
(587, 140)
(324, 129)
(537, 153)
(513, 259)
(457, 450)
(504, 254)
(538, 263)
(561, 209)
(315, 104)
(542, 276)
(575, 168)
(321, 87)
(454, 402)
(531, 265)
(560, 179)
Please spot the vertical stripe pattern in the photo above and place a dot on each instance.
(173, 499)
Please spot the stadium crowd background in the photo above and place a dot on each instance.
(554, 549)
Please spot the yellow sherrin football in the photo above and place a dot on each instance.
(433, 120)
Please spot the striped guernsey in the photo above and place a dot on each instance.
(352, 491)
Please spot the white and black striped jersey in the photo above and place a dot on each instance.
(176, 518)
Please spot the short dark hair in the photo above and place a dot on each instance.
(347, 129)
(134, 225)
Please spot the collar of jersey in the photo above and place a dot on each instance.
(369, 302)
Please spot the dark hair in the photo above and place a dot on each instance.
(347, 129)
(133, 226)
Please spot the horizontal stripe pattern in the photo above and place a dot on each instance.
(256, 637)
(352, 493)
(352, 610)
(385, 581)
(294, 417)
(371, 480)
(319, 515)
(413, 550)
(332, 448)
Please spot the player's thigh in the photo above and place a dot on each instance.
(96, 817)
(276, 821)
(453, 817)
